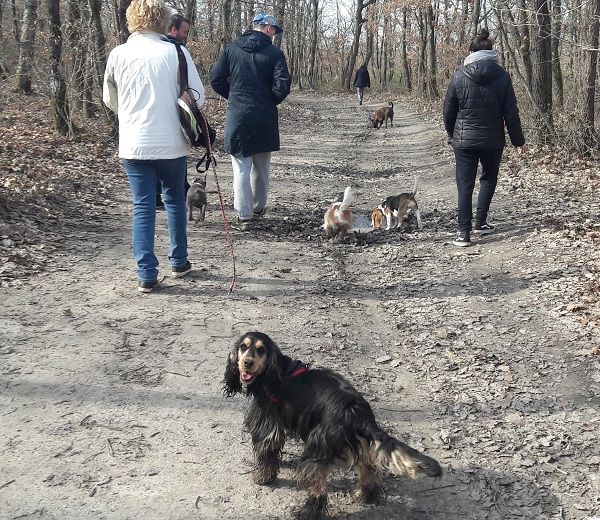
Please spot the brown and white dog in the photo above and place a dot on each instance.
(377, 218)
(338, 218)
(382, 115)
(397, 206)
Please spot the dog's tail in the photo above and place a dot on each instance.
(348, 198)
(391, 104)
(390, 454)
(416, 186)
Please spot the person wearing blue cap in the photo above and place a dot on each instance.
(252, 74)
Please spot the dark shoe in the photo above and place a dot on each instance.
(243, 225)
(462, 240)
(483, 229)
(181, 271)
(146, 287)
(259, 214)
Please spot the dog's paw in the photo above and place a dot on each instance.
(315, 508)
(374, 494)
(264, 476)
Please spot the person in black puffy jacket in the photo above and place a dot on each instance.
(252, 74)
(479, 102)
(361, 81)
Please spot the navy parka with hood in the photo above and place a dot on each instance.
(480, 99)
(252, 74)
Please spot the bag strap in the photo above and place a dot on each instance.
(183, 79)
(183, 69)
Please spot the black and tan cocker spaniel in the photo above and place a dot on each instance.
(320, 407)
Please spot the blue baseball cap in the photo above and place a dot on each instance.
(267, 19)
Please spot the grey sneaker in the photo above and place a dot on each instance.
(462, 240)
(483, 229)
(181, 270)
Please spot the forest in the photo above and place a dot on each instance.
(550, 47)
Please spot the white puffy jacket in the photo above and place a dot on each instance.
(141, 86)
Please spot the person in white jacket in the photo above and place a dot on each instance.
(141, 86)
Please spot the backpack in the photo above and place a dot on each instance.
(193, 123)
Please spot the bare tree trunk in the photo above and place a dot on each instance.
(556, 68)
(432, 61)
(121, 19)
(542, 65)
(237, 26)
(369, 47)
(525, 41)
(589, 136)
(190, 12)
(475, 20)
(348, 69)
(2, 2)
(58, 86)
(421, 70)
(81, 93)
(279, 10)
(314, 35)
(99, 46)
(225, 36)
(15, 20)
(405, 64)
(28, 24)
(386, 60)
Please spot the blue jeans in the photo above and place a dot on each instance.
(143, 176)
(467, 161)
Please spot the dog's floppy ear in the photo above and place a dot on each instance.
(272, 374)
(232, 384)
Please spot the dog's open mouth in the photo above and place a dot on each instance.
(247, 377)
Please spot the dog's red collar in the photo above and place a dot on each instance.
(293, 374)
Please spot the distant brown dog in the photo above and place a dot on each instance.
(382, 116)
(338, 218)
(377, 218)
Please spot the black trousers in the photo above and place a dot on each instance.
(467, 161)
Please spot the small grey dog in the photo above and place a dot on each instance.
(196, 198)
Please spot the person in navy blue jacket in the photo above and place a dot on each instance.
(479, 102)
(252, 74)
(361, 81)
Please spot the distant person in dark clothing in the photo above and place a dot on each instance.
(479, 101)
(252, 74)
(361, 81)
(177, 32)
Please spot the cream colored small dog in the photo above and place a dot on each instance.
(338, 218)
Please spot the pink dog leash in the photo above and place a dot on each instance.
(213, 162)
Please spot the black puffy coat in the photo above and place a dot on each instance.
(479, 101)
(252, 74)
(361, 78)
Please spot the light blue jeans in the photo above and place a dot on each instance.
(143, 176)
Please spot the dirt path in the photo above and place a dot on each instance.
(111, 404)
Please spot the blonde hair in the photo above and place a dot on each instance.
(147, 14)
